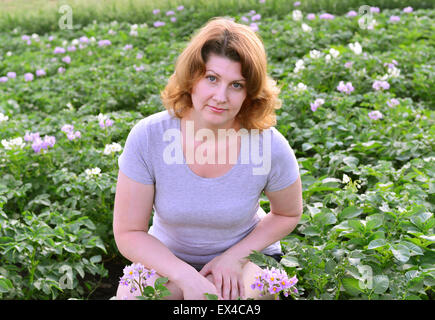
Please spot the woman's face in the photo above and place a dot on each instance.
(218, 96)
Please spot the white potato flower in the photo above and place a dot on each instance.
(3, 117)
(300, 87)
(394, 72)
(299, 66)
(13, 143)
(306, 27)
(315, 54)
(93, 172)
(355, 47)
(112, 148)
(297, 15)
(334, 53)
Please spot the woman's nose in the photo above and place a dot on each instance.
(220, 95)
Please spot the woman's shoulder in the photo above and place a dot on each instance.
(275, 135)
(279, 142)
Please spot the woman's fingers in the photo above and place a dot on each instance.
(226, 288)
(234, 289)
(218, 284)
(241, 288)
(231, 288)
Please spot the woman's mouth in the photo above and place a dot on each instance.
(217, 110)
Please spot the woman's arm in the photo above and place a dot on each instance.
(285, 212)
(132, 211)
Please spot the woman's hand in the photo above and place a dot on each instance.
(227, 274)
(194, 286)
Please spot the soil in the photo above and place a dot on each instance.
(107, 286)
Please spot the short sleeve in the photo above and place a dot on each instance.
(284, 169)
(134, 161)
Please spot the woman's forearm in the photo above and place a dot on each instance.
(139, 246)
(271, 228)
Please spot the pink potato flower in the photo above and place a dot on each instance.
(326, 16)
(254, 26)
(105, 123)
(393, 102)
(70, 134)
(58, 50)
(38, 143)
(136, 276)
(104, 43)
(375, 115)
(274, 281)
(40, 73)
(345, 87)
(317, 103)
(28, 77)
(381, 85)
(159, 24)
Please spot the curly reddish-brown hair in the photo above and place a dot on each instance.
(237, 42)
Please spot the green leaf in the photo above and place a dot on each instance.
(374, 221)
(262, 260)
(148, 291)
(164, 292)
(377, 243)
(306, 146)
(429, 238)
(5, 284)
(349, 213)
(401, 252)
(80, 270)
(324, 218)
(210, 296)
(311, 231)
(380, 284)
(413, 249)
(351, 286)
(95, 259)
(289, 261)
(356, 225)
(351, 161)
(161, 281)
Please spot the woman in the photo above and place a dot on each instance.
(205, 188)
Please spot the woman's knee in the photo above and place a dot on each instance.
(249, 273)
(124, 292)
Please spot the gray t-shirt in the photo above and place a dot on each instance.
(199, 218)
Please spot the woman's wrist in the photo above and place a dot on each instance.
(238, 254)
(182, 274)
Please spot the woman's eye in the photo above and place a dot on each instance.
(240, 86)
(237, 85)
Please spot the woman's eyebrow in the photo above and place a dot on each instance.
(220, 75)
